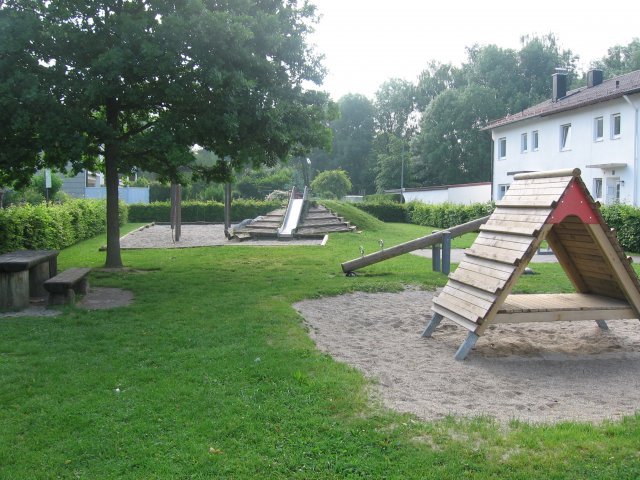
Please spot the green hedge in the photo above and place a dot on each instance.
(626, 220)
(36, 227)
(386, 211)
(442, 215)
(211, 212)
(447, 215)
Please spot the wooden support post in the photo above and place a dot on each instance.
(433, 324)
(435, 257)
(446, 252)
(602, 324)
(227, 209)
(466, 347)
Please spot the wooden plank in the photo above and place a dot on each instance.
(518, 217)
(453, 316)
(560, 301)
(536, 190)
(476, 292)
(501, 255)
(491, 285)
(467, 310)
(565, 316)
(501, 267)
(566, 260)
(556, 183)
(482, 270)
(531, 201)
(567, 174)
(524, 229)
(486, 240)
(506, 237)
(522, 211)
(468, 297)
(603, 287)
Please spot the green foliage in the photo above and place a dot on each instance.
(353, 135)
(55, 226)
(446, 215)
(138, 83)
(223, 381)
(625, 219)
(331, 184)
(386, 211)
(196, 211)
(621, 59)
(257, 184)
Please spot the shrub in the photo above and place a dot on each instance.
(54, 226)
(626, 221)
(446, 215)
(331, 184)
(386, 211)
(211, 212)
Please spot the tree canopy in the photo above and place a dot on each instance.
(117, 84)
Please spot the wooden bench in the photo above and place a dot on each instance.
(22, 274)
(63, 287)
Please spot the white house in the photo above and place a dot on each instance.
(595, 128)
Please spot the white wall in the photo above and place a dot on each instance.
(584, 150)
(461, 194)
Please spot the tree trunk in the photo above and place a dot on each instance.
(114, 260)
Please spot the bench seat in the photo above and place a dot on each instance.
(63, 287)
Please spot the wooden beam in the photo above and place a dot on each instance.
(412, 245)
(628, 284)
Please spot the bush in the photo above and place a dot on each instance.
(446, 215)
(331, 184)
(210, 212)
(626, 221)
(386, 211)
(54, 226)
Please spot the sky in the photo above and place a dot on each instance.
(367, 42)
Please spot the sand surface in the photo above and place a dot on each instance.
(534, 372)
(196, 235)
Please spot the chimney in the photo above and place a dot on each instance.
(594, 77)
(559, 85)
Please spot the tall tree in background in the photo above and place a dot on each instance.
(138, 82)
(353, 134)
(451, 147)
(621, 59)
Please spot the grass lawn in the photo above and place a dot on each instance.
(210, 374)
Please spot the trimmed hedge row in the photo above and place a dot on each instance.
(58, 226)
(387, 211)
(446, 215)
(442, 215)
(211, 212)
(625, 219)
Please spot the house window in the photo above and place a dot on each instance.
(524, 144)
(615, 125)
(502, 190)
(597, 188)
(502, 148)
(598, 129)
(534, 140)
(565, 137)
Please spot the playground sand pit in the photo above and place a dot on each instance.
(535, 372)
(196, 235)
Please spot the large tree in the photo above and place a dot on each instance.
(353, 134)
(137, 83)
(621, 59)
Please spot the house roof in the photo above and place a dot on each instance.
(609, 89)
